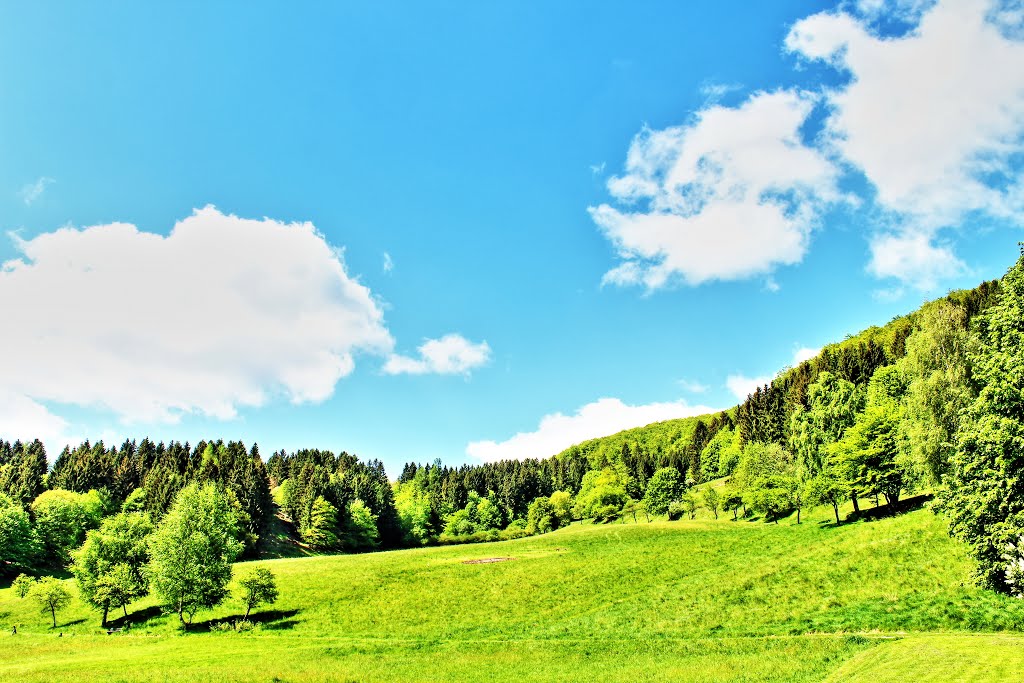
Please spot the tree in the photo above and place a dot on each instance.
(540, 518)
(22, 584)
(321, 528)
(732, 500)
(664, 487)
(362, 527)
(601, 495)
(192, 551)
(711, 500)
(258, 588)
(985, 496)
(51, 596)
(62, 519)
(561, 503)
(110, 566)
(19, 544)
(939, 389)
(827, 487)
(690, 504)
(869, 452)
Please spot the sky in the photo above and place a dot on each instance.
(476, 231)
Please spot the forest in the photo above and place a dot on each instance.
(930, 403)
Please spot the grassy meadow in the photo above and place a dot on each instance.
(693, 600)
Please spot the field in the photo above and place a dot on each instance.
(694, 600)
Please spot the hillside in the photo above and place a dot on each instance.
(687, 601)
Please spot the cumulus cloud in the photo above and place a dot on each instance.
(933, 118)
(222, 312)
(32, 191)
(732, 195)
(742, 386)
(452, 354)
(557, 432)
(913, 258)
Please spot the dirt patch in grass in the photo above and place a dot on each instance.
(489, 560)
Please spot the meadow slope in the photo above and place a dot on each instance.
(690, 601)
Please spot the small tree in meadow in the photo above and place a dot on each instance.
(22, 585)
(192, 551)
(51, 596)
(259, 587)
(712, 500)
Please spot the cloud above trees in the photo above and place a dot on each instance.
(930, 121)
(220, 314)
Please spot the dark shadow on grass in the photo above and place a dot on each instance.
(273, 620)
(76, 622)
(891, 509)
(134, 618)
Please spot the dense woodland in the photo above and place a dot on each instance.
(931, 402)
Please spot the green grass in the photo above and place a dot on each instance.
(691, 601)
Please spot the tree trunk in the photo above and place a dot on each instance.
(835, 509)
(106, 608)
(53, 613)
(798, 515)
(856, 505)
(248, 607)
(125, 608)
(734, 514)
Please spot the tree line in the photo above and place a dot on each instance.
(930, 401)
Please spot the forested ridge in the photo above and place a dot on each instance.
(931, 401)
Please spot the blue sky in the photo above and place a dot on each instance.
(478, 230)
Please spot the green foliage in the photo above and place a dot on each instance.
(19, 544)
(413, 507)
(689, 504)
(192, 550)
(540, 518)
(22, 584)
(321, 528)
(664, 487)
(601, 496)
(561, 505)
(711, 500)
(258, 587)
(51, 595)
(711, 456)
(22, 470)
(869, 453)
(62, 520)
(110, 566)
(361, 532)
(985, 497)
(939, 388)
(827, 488)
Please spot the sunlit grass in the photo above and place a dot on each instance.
(692, 600)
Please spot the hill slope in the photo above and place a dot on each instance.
(690, 601)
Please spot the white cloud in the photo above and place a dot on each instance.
(452, 354)
(742, 386)
(732, 195)
(388, 264)
(23, 419)
(804, 353)
(913, 258)
(221, 313)
(933, 118)
(557, 432)
(33, 191)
